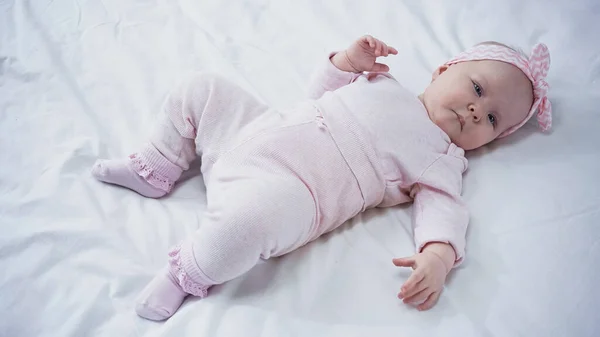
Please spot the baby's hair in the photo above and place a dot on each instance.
(516, 49)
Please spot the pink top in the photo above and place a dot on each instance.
(395, 151)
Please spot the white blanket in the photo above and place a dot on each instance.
(81, 80)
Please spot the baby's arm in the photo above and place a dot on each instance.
(440, 221)
(344, 67)
(440, 217)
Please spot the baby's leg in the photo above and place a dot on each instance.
(246, 220)
(200, 116)
(153, 170)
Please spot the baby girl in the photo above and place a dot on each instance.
(278, 180)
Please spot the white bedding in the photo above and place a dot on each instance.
(81, 80)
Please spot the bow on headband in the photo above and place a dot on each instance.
(535, 68)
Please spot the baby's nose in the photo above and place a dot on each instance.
(475, 112)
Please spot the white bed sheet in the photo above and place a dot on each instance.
(81, 80)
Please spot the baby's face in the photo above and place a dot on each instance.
(475, 101)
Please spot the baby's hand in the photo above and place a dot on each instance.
(362, 55)
(426, 281)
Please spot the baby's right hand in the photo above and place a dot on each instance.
(362, 56)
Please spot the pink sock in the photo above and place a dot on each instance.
(161, 298)
(164, 294)
(119, 172)
(148, 172)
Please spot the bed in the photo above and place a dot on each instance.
(81, 80)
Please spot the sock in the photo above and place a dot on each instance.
(161, 298)
(120, 172)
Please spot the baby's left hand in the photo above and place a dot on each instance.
(426, 282)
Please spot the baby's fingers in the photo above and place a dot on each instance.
(405, 262)
(378, 48)
(370, 41)
(412, 282)
(380, 67)
(418, 297)
(420, 286)
(386, 50)
(430, 302)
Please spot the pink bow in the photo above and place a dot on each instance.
(539, 64)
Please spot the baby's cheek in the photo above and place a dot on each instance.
(461, 95)
(485, 137)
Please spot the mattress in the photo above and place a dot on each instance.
(81, 80)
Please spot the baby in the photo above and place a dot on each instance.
(276, 181)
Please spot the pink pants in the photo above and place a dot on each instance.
(275, 181)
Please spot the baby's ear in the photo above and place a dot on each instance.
(439, 71)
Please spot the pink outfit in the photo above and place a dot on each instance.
(276, 181)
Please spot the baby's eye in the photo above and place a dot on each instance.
(492, 119)
(478, 89)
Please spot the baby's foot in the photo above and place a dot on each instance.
(161, 298)
(119, 172)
